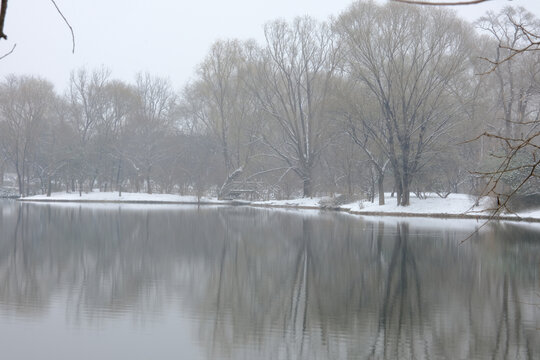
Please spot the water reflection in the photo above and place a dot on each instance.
(277, 285)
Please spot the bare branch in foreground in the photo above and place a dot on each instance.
(67, 23)
(9, 52)
(3, 11)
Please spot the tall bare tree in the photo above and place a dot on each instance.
(220, 101)
(410, 63)
(25, 104)
(152, 120)
(362, 121)
(111, 132)
(88, 108)
(293, 83)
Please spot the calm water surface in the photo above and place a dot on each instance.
(157, 282)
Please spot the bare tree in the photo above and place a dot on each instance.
(220, 101)
(111, 132)
(410, 64)
(362, 122)
(25, 103)
(293, 82)
(88, 107)
(53, 149)
(152, 120)
(518, 35)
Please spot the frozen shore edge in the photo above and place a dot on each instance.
(105, 201)
(405, 214)
(205, 202)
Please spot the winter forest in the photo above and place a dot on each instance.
(381, 98)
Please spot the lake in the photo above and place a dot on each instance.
(179, 282)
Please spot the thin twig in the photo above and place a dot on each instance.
(67, 23)
(9, 52)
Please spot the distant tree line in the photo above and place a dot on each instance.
(380, 98)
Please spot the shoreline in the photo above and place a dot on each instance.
(405, 214)
(206, 201)
(148, 202)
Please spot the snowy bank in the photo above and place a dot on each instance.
(301, 203)
(454, 204)
(459, 206)
(431, 204)
(113, 197)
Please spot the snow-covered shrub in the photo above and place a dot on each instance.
(334, 202)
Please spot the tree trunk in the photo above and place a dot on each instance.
(20, 183)
(372, 190)
(49, 185)
(307, 187)
(148, 187)
(93, 181)
(118, 173)
(380, 184)
(399, 189)
(27, 190)
(349, 183)
(406, 192)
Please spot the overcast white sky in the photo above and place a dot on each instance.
(164, 37)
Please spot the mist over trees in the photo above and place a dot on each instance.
(380, 98)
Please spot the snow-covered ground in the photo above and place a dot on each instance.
(455, 205)
(432, 204)
(530, 214)
(97, 196)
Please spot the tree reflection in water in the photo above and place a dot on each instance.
(279, 285)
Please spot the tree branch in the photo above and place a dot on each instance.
(9, 52)
(3, 11)
(63, 17)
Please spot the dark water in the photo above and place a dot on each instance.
(126, 282)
